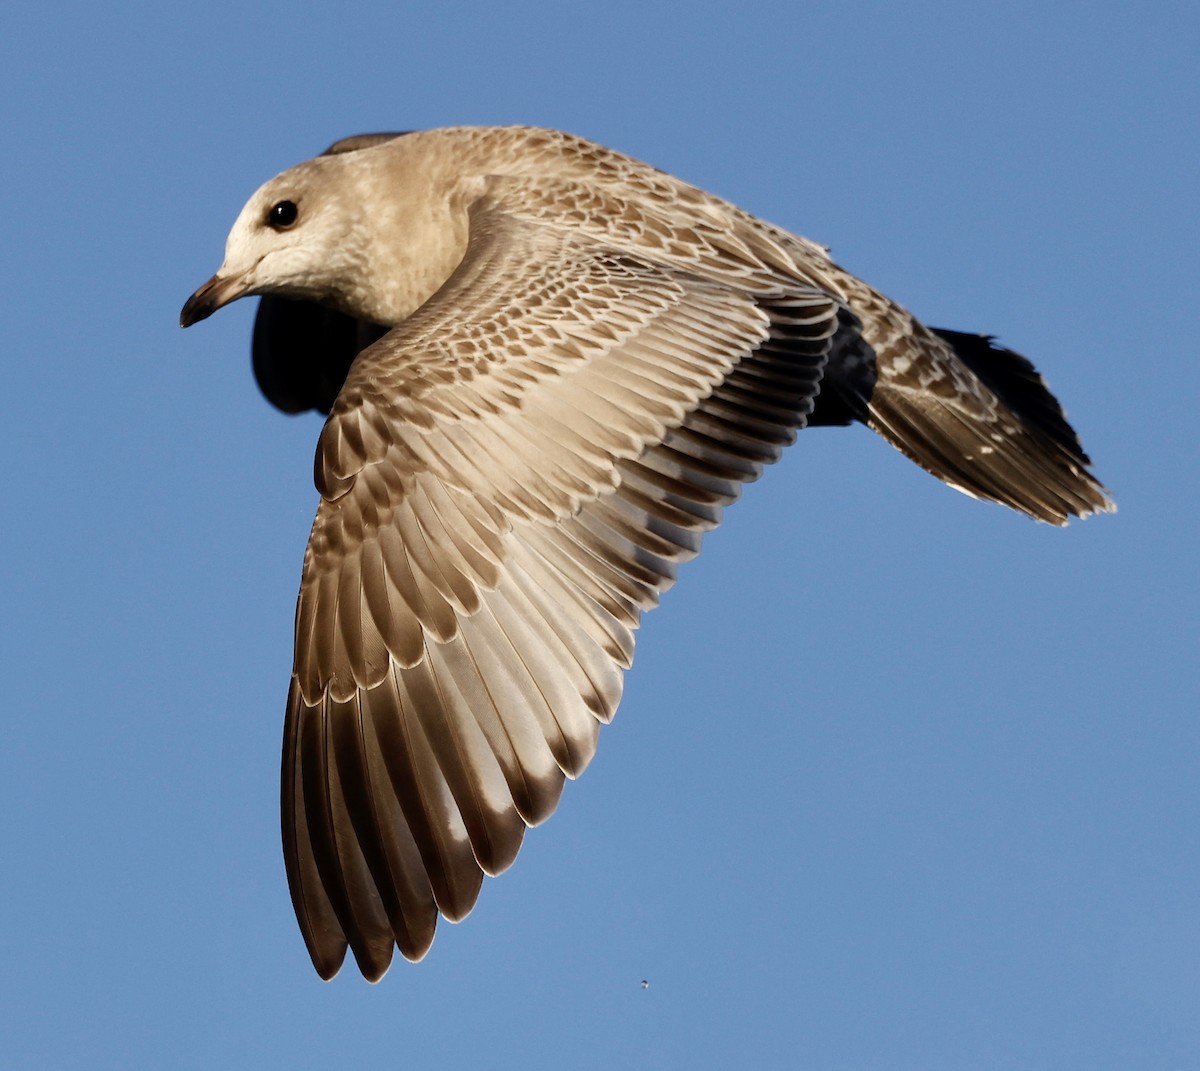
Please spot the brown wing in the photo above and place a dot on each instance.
(977, 416)
(509, 478)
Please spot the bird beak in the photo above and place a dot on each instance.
(211, 296)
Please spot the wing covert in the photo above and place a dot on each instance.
(509, 478)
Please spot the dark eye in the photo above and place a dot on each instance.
(282, 215)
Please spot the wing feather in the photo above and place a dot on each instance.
(509, 478)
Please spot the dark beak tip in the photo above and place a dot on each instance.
(194, 311)
(199, 306)
(204, 302)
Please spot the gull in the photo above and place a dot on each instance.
(546, 368)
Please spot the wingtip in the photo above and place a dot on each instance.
(373, 962)
(327, 962)
(1106, 504)
(373, 969)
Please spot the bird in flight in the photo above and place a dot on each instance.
(546, 368)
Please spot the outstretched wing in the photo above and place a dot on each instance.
(509, 478)
(976, 415)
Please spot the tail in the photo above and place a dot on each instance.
(976, 415)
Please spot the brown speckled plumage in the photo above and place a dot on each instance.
(572, 362)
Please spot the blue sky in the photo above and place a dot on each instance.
(900, 780)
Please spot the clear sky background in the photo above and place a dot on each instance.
(900, 780)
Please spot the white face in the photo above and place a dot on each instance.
(279, 236)
(292, 238)
(373, 233)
